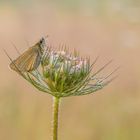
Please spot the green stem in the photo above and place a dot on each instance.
(55, 117)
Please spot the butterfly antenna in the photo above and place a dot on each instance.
(46, 36)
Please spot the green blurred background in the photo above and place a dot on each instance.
(107, 28)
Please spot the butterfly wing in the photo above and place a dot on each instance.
(33, 62)
(28, 61)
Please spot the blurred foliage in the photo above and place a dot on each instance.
(128, 9)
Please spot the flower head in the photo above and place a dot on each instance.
(64, 74)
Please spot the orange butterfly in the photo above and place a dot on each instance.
(30, 59)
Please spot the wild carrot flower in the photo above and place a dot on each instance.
(64, 74)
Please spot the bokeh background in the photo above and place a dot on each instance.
(107, 28)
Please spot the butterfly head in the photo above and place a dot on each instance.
(42, 44)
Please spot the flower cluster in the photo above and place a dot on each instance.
(64, 74)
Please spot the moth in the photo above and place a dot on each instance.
(30, 59)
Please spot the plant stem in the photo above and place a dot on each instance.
(55, 117)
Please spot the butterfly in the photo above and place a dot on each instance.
(30, 59)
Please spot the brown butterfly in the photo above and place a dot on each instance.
(30, 59)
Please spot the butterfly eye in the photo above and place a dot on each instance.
(41, 41)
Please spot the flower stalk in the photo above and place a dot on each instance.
(61, 73)
(56, 102)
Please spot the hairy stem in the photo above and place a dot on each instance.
(55, 117)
